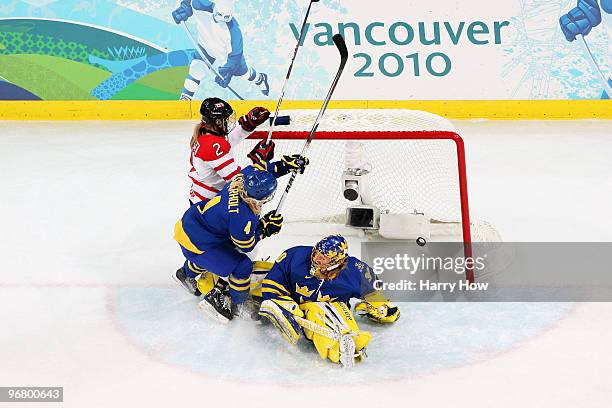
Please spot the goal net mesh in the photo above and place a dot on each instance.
(406, 174)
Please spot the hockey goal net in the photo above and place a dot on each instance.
(415, 162)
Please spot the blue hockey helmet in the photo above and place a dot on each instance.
(260, 185)
(329, 256)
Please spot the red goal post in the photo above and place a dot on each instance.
(402, 135)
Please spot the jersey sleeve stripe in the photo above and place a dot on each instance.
(223, 165)
(204, 186)
(232, 174)
(243, 244)
(270, 290)
(272, 283)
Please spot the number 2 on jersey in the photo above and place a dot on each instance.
(218, 150)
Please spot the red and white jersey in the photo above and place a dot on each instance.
(213, 164)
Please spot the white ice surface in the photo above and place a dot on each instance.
(87, 210)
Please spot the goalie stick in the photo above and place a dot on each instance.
(295, 51)
(208, 64)
(341, 45)
(593, 62)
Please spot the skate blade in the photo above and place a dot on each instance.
(211, 312)
(174, 278)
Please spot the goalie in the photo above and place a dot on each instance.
(310, 288)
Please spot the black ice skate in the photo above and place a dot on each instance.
(190, 284)
(217, 303)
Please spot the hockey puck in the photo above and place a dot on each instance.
(421, 241)
(281, 120)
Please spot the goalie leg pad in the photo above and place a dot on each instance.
(350, 345)
(280, 312)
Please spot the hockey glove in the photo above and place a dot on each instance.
(295, 162)
(183, 12)
(262, 151)
(381, 312)
(581, 19)
(254, 118)
(271, 223)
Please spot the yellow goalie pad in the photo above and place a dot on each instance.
(320, 313)
(207, 280)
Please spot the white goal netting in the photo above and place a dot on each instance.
(409, 168)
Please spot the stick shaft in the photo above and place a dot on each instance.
(208, 64)
(282, 94)
(598, 72)
(343, 58)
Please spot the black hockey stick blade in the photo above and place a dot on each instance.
(281, 120)
(341, 45)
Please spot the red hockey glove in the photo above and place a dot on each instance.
(262, 151)
(254, 118)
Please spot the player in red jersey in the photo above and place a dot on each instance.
(212, 160)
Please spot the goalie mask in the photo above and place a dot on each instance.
(218, 116)
(329, 257)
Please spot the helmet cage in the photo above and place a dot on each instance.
(331, 269)
(222, 125)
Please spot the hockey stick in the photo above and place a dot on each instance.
(295, 51)
(341, 45)
(598, 71)
(208, 64)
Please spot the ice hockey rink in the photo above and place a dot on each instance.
(86, 300)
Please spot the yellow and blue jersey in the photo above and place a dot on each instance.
(224, 219)
(290, 276)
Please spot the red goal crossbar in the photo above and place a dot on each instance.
(402, 135)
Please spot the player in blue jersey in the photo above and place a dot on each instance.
(311, 287)
(216, 235)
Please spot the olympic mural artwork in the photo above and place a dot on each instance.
(240, 49)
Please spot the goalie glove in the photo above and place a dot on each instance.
(262, 151)
(381, 312)
(271, 223)
(295, 162)
(254, 118)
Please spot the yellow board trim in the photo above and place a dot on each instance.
(164, 110)
(181, 237)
